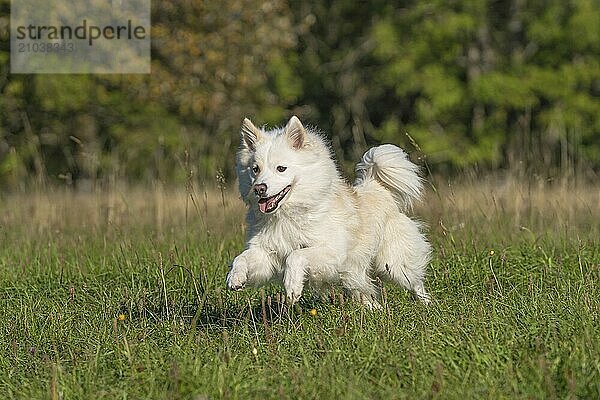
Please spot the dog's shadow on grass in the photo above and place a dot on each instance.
(221, 309)
(225, 313)
(269, 310)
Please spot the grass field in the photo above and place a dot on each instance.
(121, 295)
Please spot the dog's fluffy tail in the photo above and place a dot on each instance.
(390, 166)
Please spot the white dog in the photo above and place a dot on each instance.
(307, 225)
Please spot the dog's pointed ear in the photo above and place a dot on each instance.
(295, 132)
(250, 134)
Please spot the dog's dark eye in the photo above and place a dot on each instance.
(256, 169)
(281, 168)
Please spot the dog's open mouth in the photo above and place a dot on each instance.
(268, 205)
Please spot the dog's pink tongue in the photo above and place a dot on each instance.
(262, 206)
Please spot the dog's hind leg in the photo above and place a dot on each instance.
(403, 256)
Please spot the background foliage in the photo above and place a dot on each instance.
(483, 84)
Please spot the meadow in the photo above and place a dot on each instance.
(119, 293)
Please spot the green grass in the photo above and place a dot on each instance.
(519, 323)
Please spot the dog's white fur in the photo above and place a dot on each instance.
(324, 231)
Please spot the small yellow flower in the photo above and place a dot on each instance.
(313, 312)
(121, 317)
(491, 252)
(254, 351)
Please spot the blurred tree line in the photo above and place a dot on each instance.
(469, 84)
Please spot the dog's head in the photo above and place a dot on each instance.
(269, 163)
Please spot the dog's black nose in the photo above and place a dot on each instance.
(260, 189)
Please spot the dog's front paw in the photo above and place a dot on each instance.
(238, 274)
(293, 286)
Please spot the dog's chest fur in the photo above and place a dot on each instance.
(286, 232)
